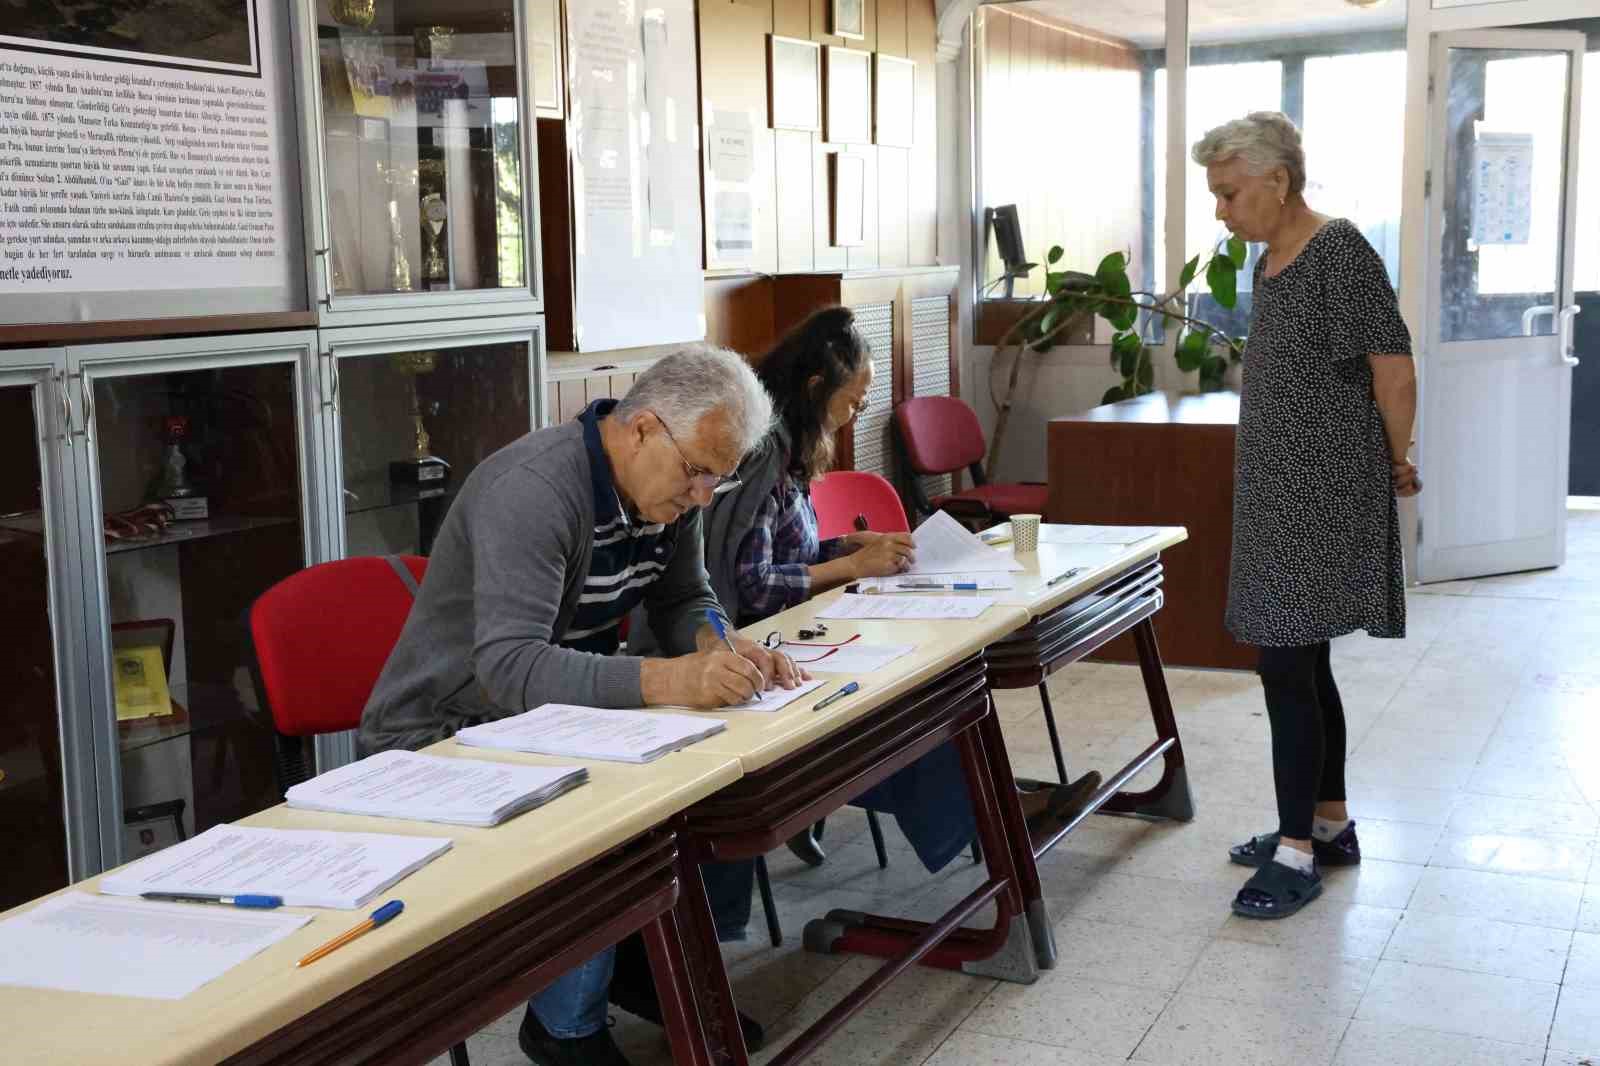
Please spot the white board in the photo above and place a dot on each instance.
(635, 154)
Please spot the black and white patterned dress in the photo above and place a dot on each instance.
(1316, 536)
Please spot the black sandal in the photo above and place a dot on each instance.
(1277, 891)
(1342, 850)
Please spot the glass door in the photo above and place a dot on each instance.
(414, 410)
(193, 457)
(46, 786)
(425, 158)
(1496, 412)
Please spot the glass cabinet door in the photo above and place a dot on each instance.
(424, 149)
(415, 415)
(196, 465)
(44, 806)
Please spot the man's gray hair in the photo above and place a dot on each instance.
(1263, 139)
(684, 387)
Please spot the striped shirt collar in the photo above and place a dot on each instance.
(607, 501)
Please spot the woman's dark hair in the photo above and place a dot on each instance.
(826, 346)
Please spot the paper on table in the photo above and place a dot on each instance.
(432, 788)
(918, 607)
(308, 868)
(775, 699)
(593, 732)
(934, 582)
(852, 658)
(1057, 534)
(77, 942)
(945, 546)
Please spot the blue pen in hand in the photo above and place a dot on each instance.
(257, 902)
(720, 628)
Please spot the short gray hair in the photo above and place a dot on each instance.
(684, 387)
(1263, 139)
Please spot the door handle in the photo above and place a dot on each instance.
(66, 409)
(1532, 313)
(1568, 340)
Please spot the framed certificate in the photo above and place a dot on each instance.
(793, 84)
(893, 106)
(847, 96)
(848, 200)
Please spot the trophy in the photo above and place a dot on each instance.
(435, 271)
(172, 485)
(422, 467)
(357, 14)
(433, 42)
(399, 265)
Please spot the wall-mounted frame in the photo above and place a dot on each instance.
(847, 199)
(847, 96)
(894, 101)
(848, 18)
(794, 84)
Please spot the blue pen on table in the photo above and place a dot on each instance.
(257, 902)
(958, 586)
(841, 694)
(375, 919)
(1063, 576)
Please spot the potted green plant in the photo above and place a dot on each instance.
(1073, 298)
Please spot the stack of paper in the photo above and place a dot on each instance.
(593, 732)
(77, 942)
(429, 788)
(307, 868)
(1119, 535)
(912, 607)
(945, 546)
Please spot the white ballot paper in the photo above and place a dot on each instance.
(78, 942)
(593, 732)
(854, 658)
(431, 788)
(307, 868)
(914, 607)
(945, 546)
(1059, 534)
(936, 583)
(776, 699)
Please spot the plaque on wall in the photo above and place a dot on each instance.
(848, 18)
(793, 83)
(848, 199)
(893, 101)
(847, 96)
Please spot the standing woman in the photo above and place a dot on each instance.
(1325, 419)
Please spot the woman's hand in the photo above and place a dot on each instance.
(881, 554)
(1405, 479)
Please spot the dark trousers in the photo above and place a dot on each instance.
(1308, 733)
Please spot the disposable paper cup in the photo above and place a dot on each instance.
(1024, 533)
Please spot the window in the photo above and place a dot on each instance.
(1586, 277)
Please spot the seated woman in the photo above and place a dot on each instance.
(764, 554)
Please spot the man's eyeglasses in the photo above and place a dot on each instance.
(699, 475)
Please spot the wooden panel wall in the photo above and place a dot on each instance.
(1052, 171)
(791, 172)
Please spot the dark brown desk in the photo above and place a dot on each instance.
(1157, 460)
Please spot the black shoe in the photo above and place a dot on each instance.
(1277, 891)
(807, 847)
(596, 1049)
(1067, 800)
(1342, 850)
(634, 990)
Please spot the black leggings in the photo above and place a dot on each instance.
(1308, 735)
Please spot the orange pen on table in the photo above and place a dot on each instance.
(377, 918)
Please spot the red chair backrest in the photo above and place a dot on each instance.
(322, 636)
(840, 496)
(941, 434)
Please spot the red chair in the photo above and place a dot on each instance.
(840, 496)
(941, 435)
(321, 638)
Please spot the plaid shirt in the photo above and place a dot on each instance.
(774, 556)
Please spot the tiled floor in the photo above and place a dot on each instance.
(1469, 936)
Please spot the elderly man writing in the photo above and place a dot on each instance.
(551, 542)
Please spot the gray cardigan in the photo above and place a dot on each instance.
(502, 585)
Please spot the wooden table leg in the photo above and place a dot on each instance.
(1040, 930)
(712, 994)
(1170, 797)
(675, 991)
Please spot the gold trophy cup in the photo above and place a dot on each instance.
(421, 467)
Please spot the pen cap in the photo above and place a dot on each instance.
(387, 911)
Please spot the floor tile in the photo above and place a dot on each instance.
(1374, 882)
(1392, 841)
(1577, 1025)
(1331, 926)
(1201, 1031)
(1583, 962)
(1192, 908)
(1557, 858)
(1479, 945)
(1066, 1012)
(1527, 900)
(977, 1049)
(1125, 955)
(1280, 978)
(1499, 1008)
(1383, 1044)
(1497, 814)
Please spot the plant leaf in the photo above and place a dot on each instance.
(1222, 279)
(1189, 270)
(1128, 362)
(1054, 256)
(1113, 394)
(1237, 252)
(1147, 376)
(1111, 265)
(1049, 319)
